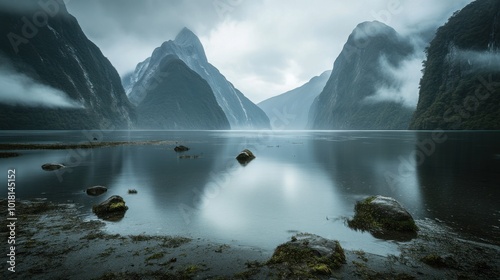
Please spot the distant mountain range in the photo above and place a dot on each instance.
(290, 110)
(460, 88)
(239, 110)
(351, 98)
(53, 77)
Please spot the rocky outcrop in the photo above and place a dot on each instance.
(96, 190)
(460, 86)
(308, 256)
(178, 99)
(384, 217)
(354, 97)
(238, 109)
(112, 209)
(57, 78)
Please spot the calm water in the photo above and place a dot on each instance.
(300, 181)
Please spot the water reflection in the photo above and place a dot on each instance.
(300, 181)
(460, 182)
(372, 163)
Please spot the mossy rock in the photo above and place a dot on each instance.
(245, 157)
(308, 255)
(383, 217)
(112, 209)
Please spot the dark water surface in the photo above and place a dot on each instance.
(299, 182)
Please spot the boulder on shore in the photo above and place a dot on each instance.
(382, 216)
(245, 157)
(308, 255)
(96, 190)
(52, 166)
(112, 209)
(181, 149)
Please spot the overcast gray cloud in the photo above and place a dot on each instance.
(264, 47)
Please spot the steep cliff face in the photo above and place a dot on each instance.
(52, 76)
(179, 99)
(351, 98)
(239, 110)
(290, 110)
(460, 88)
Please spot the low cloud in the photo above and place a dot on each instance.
(368, 30)
(479, 61)
(19, 89)
(405, 81)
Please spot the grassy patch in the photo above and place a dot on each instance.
(174, 242)
(108, 252)
(155, 257)
(8, 155)
(434, 261)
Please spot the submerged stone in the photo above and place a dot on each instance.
(96, 190)
(381, 216)
(112, 209)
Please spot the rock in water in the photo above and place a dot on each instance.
(245, 157)
(52, 166)
(308, 255)
(112, 209)
(382, 216)
(181, 149)
(96, 190)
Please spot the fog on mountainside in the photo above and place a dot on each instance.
(54, 77)
(460, 86)
(365, 90)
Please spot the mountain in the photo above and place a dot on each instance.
(179, 99)
(290, 110)
(460, 88)
(240, 111)
(52, 76)
(355, 96)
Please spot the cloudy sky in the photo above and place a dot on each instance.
(264, 47)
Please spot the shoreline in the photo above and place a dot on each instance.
(54, 242)
(80, 145)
